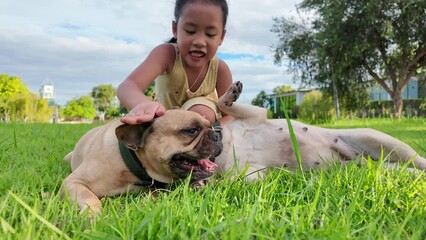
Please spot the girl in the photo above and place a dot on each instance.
(186, 71)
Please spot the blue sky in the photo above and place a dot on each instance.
(79, 44)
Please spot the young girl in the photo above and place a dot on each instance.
(186, 71)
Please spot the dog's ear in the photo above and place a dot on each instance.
(133, 136)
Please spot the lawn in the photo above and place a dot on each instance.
(350, 202)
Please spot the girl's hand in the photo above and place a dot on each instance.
(144, 112)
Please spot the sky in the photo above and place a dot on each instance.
(79, 44)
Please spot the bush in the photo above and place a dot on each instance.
(316, 109)
(82, 108)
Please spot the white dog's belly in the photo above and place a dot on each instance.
(269, 145)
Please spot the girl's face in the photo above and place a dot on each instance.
(199, 32)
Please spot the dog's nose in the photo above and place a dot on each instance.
(215, 136)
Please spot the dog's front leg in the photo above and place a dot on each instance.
(248, 113)
(79, 192)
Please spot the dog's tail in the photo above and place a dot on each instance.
(68, 157)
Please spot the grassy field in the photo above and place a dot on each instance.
(340, 203)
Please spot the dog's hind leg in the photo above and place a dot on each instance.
(248, 113)
(374, 143)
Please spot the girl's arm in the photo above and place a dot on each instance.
(131, 91)
(224, 81)
(224, 78)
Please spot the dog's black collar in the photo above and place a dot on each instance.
(135, 166)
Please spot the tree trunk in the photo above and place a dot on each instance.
(397, 103)
(336, 100)
(102, 116)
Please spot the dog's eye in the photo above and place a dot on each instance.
(191, 131)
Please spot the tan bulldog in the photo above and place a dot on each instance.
(116, 158)
(182, 143)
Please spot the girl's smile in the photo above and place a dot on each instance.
(199, 33)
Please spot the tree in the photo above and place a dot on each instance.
(316, 108)
(113, 112)
(349, 42)
(12, 90)
(17, 103)
(282, 89)
(261, 100)
(82, 108)
(41, 112)
(103, 96)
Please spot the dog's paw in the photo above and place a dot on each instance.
(232, 94)
(197, 185)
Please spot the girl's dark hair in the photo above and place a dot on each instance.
(179, 4)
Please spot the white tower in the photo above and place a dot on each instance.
(47, 92)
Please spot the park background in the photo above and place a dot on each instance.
(335, 50)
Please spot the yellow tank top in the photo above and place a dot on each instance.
(172, 89)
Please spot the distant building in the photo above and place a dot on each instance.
(411, 91)
(47, 91)
(415, 89)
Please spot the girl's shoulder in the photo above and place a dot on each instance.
(164, 53)
(165, 49)
(222, 65)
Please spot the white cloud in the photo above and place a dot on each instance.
(78, 44)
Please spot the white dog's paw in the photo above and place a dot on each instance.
(232, 94)
(199, 184)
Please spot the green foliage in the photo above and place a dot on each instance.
(29, 108)
(347, 40)
(282, 89)
(102, 96)
(352, 96)
(149, 92)
(113, 112)
(269, 114)
(9, 86)
(82, 108)
(261, 100)
(422, 105)
(296, 43)
(316, 108)
(12, 91)
(40, 109)
(276, 102)
(290, 105)
(17, 103)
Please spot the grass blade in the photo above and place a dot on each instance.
(293, 138)
(40, 218)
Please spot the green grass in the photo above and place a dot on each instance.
(340, 203)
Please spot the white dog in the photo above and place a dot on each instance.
(260, 143)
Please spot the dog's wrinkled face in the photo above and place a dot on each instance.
(176, 145)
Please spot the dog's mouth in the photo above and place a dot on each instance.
(183, 164)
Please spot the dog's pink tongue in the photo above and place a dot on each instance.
(207, 164)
